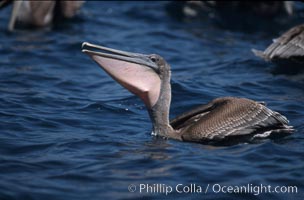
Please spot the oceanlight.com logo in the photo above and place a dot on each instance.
(254, 189)
(193, 188)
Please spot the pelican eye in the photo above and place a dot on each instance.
(154, 59)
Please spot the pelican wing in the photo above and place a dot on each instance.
(228, 117)
(289, 45)
(190, 116)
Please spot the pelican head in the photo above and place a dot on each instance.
(139, 73)
(147, 76)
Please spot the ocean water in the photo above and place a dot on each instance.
(68, 131)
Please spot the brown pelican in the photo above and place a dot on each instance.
(250, 16)
(40, 13)
(223, 119)
(288, 49)
(258, 9)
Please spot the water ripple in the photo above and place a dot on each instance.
(68, 131)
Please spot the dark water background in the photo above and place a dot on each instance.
(68, 131)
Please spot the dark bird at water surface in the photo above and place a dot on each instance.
(287, 51)
(40, 13)
(226, 120)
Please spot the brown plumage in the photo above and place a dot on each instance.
(288, 47)
(228, 117)
(40, 13)
(226, 120)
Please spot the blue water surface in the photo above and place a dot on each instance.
(68, 131)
